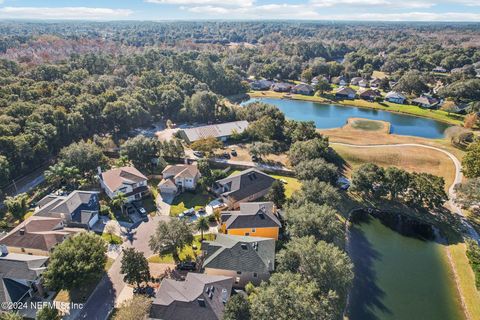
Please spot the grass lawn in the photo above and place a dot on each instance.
(109, 263)
(187, 254)
(466, 279)
(292, 184)
(189, 200)
(388, 106)
(112, 239)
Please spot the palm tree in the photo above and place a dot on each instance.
(120, 200)
(202, 225)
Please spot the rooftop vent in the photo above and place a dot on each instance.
(244, 246)
(201, 302)
(22, 231)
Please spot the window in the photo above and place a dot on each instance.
(237, 280)
(255, 275)
(247, 234)
(254, 230)
(239, 272)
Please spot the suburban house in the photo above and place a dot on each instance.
(179, 177)
(78, 209)
(355, 81)
(425, 102)
(340, 81)
(375, 82)
(395, 97)
(221, 131)
(37, 235)
(451, 106)
(245, 259)
(281, 87)
(317, 79)
(345, 93)
(261, 85)
(20, 277)
(363, 83)
(368, 94)
(200, 297)
(127, 180)
(245, 186)
(256, 219)
(304, 89)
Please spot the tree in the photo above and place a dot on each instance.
(300, 130)
(318, 192)
(207, 145)
(308, 150)
(449, 106)
(319, 262)
(17, 206)
(260, 149)
(170, 236)
(276, 194)
(317, 168)
(396, 181)
(369, 180)
(134, 267)
(4, 170)
(237, 308)
(79, 259)
(110, 229)
(119, 201)
(202, 225)
(323, 86)
(426, 190)
(140, 150)
(136, 308)
(262, 129)
(48, 313)
(412, 82)
(471, 161)
(468, 193)
(289, 296)
(10, 316)
(307, 75)
(319, 221)
(59, 175)
(85, 156)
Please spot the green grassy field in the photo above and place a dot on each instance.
(187, 254)
(189, 200)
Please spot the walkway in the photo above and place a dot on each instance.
(472, 233)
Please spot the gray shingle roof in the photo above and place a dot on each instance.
(238, 253)
(245, 183)
(180, 299)
(215, 130)
(251, 215)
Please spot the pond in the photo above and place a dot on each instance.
(398, 277)
(327, 116)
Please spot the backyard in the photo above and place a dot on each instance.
(187, 200)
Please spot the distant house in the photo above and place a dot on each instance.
(245, 259)
(317, 79)
(395, 97)
(256, 219)
(20, 278)
(245, 186)
(127, 180)
(179, 177)
(221, 131)
(304, 89)
(368, 94)
(340, 81)
(425, 102)
(345, 93)
(281, 87)
(355, 81)
(261, 85)
(200, 297)
(37, 236)
(452, 107)
(363, 83)
(78, 209)
(439, 70)
(375, 82)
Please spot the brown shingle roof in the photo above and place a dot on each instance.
(180, 170)
(114, 178)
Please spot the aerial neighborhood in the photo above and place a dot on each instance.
(238, 170)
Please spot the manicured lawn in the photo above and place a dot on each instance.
(189, 200)
(187, 254)
(109, 263)
(112, 239)
(291, 184)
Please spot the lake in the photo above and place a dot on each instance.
(327, 116)
(398, 277)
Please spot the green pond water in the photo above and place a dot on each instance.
(398, 277)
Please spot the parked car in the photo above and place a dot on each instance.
(233, 152)
(226, 155)
(148, 291)
(198, 154)
(187, 266)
